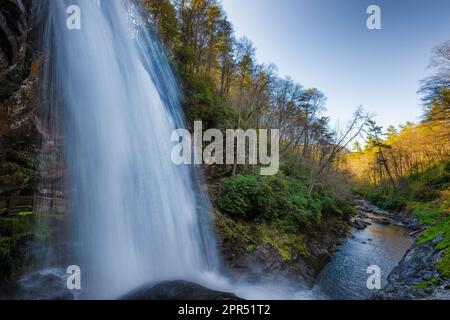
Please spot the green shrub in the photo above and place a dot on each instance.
(238, 196)
(271, 198)
(303, 210)
(387, 198)
(421, 186)
(277, 198)
(393, 203)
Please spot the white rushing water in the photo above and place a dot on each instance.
(137, 217)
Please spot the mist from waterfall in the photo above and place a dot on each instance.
(136, 217)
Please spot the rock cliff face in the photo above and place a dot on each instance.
(20, 66)
(251, 251)
(19, 85)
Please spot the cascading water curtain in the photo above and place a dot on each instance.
(136, 217)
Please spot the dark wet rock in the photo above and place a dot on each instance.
(267, 256)
(359, 223)
(362, 214)
(177, 290)
(383, 222)
(265, 261)
(361, 205)
(380, 212)
(437, 240)
(415, 224)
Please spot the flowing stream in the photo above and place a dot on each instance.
(380, 244)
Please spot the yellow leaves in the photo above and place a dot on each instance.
(413, 148)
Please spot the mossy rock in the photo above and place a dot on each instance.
(17, 234)
(437, 217)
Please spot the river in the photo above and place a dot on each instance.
(345, 276)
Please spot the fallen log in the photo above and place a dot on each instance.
(417, 231)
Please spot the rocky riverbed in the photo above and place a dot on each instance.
(416, 276)
(378, 239)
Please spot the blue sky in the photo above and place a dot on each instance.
(326, 44)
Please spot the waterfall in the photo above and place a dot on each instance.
(135, 216)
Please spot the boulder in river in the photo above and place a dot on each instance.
(359, 223)
(177, 290)
(384, 222)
